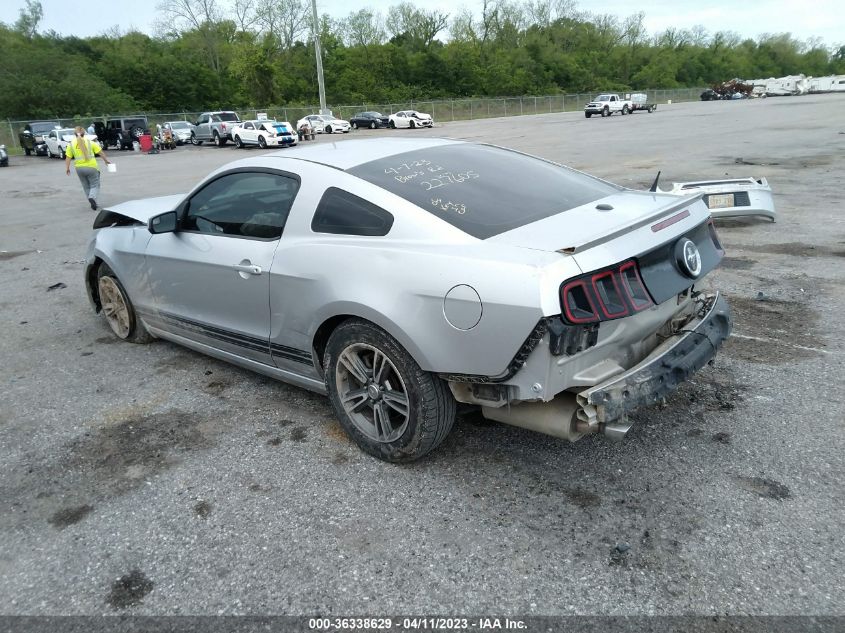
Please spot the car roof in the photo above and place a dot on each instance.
(348, 154)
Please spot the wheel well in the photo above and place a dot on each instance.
(93, 288)
(323, 333)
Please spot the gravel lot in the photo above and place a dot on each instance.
(153, 480)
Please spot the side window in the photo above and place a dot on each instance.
(342, 213)
(242, 204)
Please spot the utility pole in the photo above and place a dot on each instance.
(321, 85)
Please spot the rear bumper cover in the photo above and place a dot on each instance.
(662, 371)
(750, 196)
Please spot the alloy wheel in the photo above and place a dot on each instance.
(114, 307)
(372, 392)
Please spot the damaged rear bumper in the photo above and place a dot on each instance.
(605, 406)
(732, 198)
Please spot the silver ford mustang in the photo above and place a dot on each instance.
(404, 276)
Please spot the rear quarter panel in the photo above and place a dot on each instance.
(399, 282)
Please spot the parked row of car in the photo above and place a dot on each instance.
(49, 138)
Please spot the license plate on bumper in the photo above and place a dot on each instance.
(720, 201)
(662, 371)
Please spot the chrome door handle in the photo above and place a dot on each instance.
(251, 269)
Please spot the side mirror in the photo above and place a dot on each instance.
(163, 223)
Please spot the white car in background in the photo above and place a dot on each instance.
(57, 141)
(324, 123)
(264, 133)
(411, 119)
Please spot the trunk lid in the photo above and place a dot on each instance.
(603, 221)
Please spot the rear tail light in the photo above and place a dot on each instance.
(604, 295)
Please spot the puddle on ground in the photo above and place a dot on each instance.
(12, 254)
(778, 331)
(766, 488)
(62, 486)
(737, 263)
(794, 249)
(129, 590)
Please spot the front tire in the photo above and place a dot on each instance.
(262, 142)
(412, 125)
(238, 143)
(605, 112)
(195, 140)
(354, 125)
(588, 114)
(117, 308)
(372, 125)
(328, 129)
(390, 407)
(392, 125)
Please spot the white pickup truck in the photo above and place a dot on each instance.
(607, 104)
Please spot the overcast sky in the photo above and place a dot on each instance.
(802, 18)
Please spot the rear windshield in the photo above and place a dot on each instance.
(483, 190)
(226, 116)
(178, 125)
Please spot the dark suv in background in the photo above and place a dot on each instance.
(121, 132)
(32, 137)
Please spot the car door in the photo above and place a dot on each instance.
(203, 127)
(248, 133)
(210, 278)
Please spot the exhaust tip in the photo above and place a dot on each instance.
(617, 430)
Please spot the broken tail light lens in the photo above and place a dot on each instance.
(604, 295)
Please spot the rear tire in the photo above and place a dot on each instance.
(390, 407)
(219, 141)
(625, 110)
(118, 310)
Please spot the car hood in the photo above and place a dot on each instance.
(586, 226)
(142, 210)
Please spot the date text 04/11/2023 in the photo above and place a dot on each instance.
(415, 624)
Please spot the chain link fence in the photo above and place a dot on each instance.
(440, 110)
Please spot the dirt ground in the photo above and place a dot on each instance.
(153, 480)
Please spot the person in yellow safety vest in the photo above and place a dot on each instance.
(84, 152)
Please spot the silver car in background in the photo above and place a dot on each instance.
(404, 276)
(181, 130)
